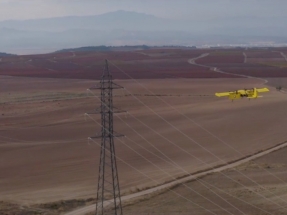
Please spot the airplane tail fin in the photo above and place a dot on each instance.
(255, 93)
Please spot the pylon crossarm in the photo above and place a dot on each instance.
(113, 109)
(100, 87)
(100, 136)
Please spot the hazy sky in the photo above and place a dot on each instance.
(181, 9)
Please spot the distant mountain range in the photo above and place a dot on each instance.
(131, 28)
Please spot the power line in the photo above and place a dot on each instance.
(187, 136)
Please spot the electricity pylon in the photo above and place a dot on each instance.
(108, 192)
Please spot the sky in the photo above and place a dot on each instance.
(172, 9)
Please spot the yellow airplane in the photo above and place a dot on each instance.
(246, 93)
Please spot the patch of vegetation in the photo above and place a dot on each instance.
(122, 48)
(279, 88)
(53, 208)
(102, 48)
(3, 54)
(275, 64)
(65, 205)
(7, 208)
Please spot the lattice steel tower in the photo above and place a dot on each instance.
(108, 193)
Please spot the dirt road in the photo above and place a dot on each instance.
(215, 69)
(283, 55)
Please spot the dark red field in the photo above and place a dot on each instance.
(147, 64)
(258, 63)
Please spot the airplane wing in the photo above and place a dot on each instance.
(241, 91)
(262, 90)
(222, 94)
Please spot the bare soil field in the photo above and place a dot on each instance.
(174, 126)
(45, 155)
(229, 192)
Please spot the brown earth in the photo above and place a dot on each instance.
(229, 192)
(46, 157)
(45, 154)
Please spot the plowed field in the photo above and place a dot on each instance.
(173, 120)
